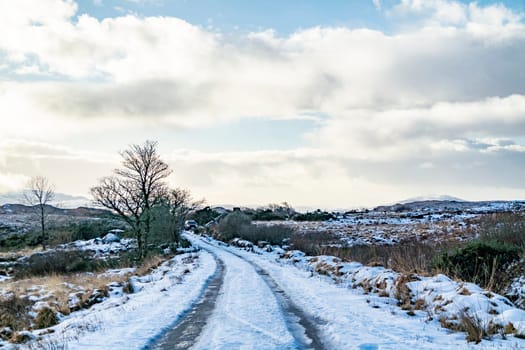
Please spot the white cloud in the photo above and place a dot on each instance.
(480, 20)
(427, 165)
(447, 87)
(167, 69)
(72, 170)
(408, 132)
(11, 182)
(310, 177)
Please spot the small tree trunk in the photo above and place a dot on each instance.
(43, 227)
(139, 241)
(147, 229)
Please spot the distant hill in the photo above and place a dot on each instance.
(20, 209)
(432, 198)
(453, 206)
(61, 200)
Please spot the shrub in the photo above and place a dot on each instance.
(267, 215)
(238, 224)
(274, 234)
(314, 243)
(231, 226)
(476, 328)
(506, 228)
(10, 241)
(20, 338)
(14, 312)
(45, 318)
(317, 215)
(58, 262)
(477, 261)
(205, 215)
(184, 243)
(82, 230)
(411, 257)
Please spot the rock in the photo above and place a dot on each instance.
(262, 244)
(111, 238)
(6, 333)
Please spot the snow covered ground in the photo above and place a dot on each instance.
(350, 319)
(427, 221)
(391, 228)
(249, 313)
(132, 321)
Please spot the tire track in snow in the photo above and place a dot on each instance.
(303, 328)
(186, 332)
(296, 316)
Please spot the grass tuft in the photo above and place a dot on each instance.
(45, 318)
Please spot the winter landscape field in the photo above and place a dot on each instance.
(262, 174)
(234, 293)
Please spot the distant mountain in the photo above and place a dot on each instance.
(432, 197)
(61, 200)
(21, 209)
(453, 205)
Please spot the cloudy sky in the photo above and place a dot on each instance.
(324, 104)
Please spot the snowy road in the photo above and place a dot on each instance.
(185, 333)
(251, 312)
(227, 298)
(267, 305)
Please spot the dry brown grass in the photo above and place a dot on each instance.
(474, 328)
(420, 304)
(14, 312)
(150, 264)
(402, 292)
(16, 309)
(55, 290)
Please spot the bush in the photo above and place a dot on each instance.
(205, 215)
(317, 215)
(45, 318)
(478, 261)
(274, 234)
(20, 240)
(20, 338)
(12, 241)
(232, 225)
(58, 262)
(238, 224)
(506, 228)
(82, 230)
(410, 257)
(14, 312)
(267, 215)
(184, 243)
(59, 233)
(314, 243)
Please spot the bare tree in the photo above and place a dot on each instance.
(122, 198)
(135, 188)
(180, 205)
(40, 192)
